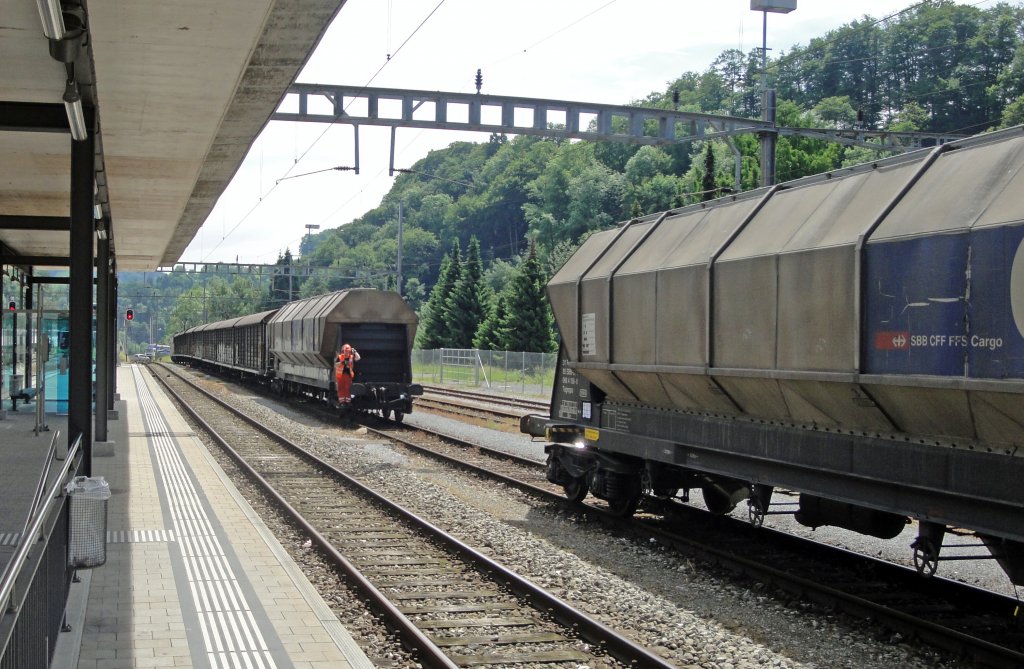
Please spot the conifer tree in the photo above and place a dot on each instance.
(707, 183)
(433, 330)
(490, 335)
(464, 310)
(528, 320)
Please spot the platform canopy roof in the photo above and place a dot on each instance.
(178, 91)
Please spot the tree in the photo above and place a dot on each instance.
(707, 182)
(282, 286)
(187, 311)
(528, 322)
(836, 112)
(464, 309)
(433, 332)
(490, 335)
(1013, 114)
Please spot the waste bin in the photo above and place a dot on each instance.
(87, 533)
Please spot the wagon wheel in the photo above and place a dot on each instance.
(926, 557)
(624, 507)
(577, 488)
(398, 416)
(755, 512)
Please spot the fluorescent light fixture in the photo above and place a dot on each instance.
(73, 107)
(52, 17)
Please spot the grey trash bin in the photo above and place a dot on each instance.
(87, 526)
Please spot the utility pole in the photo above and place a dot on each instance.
(768, 137)
(399, 263)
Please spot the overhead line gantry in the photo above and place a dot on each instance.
(476, 112)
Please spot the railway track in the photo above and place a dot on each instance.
(977, 624)
(507, 400)
(472, 404)
(455, 606)
(963, 620)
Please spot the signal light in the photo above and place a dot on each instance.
(129, 315)
(11, 306)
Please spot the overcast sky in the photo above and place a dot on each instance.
(586, 50)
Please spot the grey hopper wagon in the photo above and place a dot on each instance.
(856, 336)
(305, 336)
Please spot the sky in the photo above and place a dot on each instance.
(600, 51)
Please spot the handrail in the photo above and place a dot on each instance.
(13, 570)
(37, 498)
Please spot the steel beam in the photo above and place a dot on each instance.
(54, 280)
(445, 110)
(83, 160)
(34, 261)
(33, 117)
(112, 343)
(471, 111)
(59, 223)
(105, 327)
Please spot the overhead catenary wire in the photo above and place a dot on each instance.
(321, 135)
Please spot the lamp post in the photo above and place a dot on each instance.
(768, 137)
(310, 227)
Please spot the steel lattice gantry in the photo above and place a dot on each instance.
(475, 112)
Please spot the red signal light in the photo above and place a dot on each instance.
(11, 305)
(129, 315)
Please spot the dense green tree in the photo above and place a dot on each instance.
(433, 332)
(490, 335)
(528, 321)
(1013, 114)
(707, 182)
(465, 307)
(188, 310)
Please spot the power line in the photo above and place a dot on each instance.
(321, 135)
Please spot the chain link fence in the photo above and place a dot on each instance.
(513, 372)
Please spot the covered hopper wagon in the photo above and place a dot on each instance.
(856, 337)
(293, 349)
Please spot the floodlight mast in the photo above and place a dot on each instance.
(768, 137)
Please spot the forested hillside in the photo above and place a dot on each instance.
(507, 212)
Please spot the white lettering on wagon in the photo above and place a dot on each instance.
(588, 334)
(955, 341)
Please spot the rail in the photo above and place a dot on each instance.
(37, 498)
(595, 632)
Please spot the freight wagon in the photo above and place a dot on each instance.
(856, 337)
(293, 349)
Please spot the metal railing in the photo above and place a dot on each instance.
(34, 586)
(512, 372)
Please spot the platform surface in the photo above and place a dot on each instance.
(193, 577)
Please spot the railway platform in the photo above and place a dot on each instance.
(193, 577)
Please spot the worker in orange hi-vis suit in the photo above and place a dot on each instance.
(344, 372)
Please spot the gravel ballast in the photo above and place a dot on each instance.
(685, 612)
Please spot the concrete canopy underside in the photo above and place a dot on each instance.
(181, 91)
